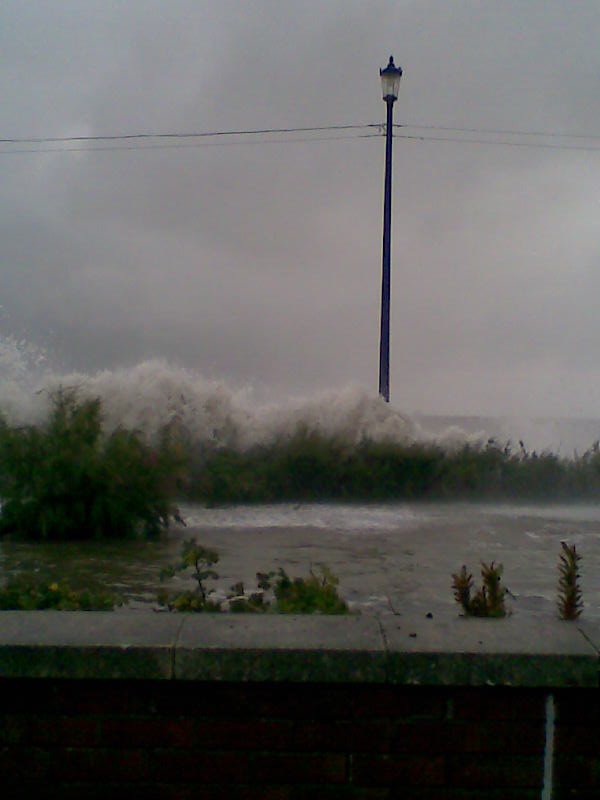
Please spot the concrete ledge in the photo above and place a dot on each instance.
(281, 648)
(76, 644)
(399, 649)
(514, 651)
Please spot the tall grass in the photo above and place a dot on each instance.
(311, 466)
(67, 479)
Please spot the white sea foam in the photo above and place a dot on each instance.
(154, 393)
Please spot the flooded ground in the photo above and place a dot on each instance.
(387, 557)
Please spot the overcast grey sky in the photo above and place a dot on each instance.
(260, 262)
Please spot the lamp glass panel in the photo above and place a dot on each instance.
(390, 84)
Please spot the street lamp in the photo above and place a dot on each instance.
(390, 83)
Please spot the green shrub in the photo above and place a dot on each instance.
(200, 560)
(65, 479)
(27, 594)
(316, 594)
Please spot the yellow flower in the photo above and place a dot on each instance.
(53, 587)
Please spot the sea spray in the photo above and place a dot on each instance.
(24, 369)
(154, 394)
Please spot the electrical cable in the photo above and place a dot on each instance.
(141, 141)
(186, 135)
(501, 132)
(538, 145)
(181, 146)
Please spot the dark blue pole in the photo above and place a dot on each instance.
(384, 341)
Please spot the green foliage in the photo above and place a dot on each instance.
(316, 594)
(200, 560)
(27, 594)
(312, 466)
(65, 479)
(570, 603)
(488, 601)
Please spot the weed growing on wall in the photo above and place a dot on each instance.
(488, 601)
(65, 479)
(570, 603)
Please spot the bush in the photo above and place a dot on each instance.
(25, 594)
(65, 479)
(316, 594)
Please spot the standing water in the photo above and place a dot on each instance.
(386, 555)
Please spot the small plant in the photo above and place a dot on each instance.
(316, 594)
(570, 603)
(200, 560)
(462, 583)
(241, 603)
(488, 601)
(26, 594)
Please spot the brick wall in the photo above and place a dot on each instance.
(577, 744)
(278, 741)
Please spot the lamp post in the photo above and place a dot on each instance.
(390, 82)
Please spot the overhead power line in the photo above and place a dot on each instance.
(184, 135)
(193, 139)
(501, 131)
(186, 145)
(538, 145)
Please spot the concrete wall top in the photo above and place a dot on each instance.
(410, 649)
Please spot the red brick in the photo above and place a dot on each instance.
(275, 701)
(372, 770)
(15, 729)
(91, 765)
(527, 738)
(424, 737)
(357, 736)
(64, 731)
(484, 772)
(29, 765)
(468, 737)
(299, 768)
(498, 704)
(581, 706)
(572, 771)
(189, 766)
(577, 739)
(398, 702)
(147, 733)
(448, 793)
(244, 734)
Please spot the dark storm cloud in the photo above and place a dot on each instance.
(261, 261)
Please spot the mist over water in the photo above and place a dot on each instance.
(155, 393)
